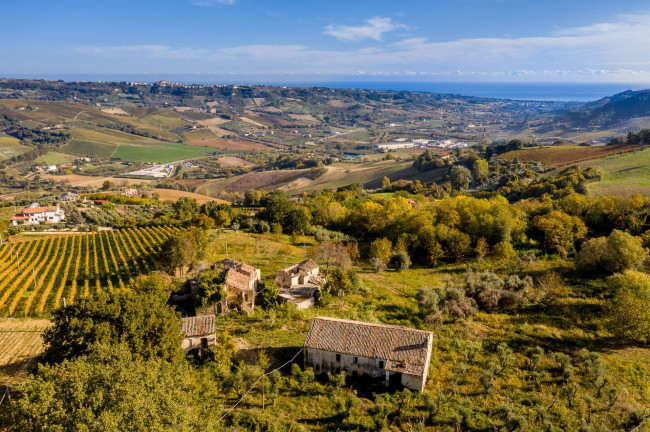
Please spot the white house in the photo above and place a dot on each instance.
(198, 332)
(393, 354)
(35, 214)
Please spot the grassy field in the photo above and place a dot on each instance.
(174, 195)
(91, 149)
(20, 342)
(10, 147)
(159, 152)
(54, 158)
(624, 175)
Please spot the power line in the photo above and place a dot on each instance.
(253, 386)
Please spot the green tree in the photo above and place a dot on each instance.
(385, 183)
(559, 232)
(617, 252)
(177, 252)
(480, 170)
(211, 287)
(381, 250)
(629, 314)
(107, 185)
(141, 320)
(112, 390)
(460, 177)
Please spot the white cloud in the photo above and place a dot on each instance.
(374, 28)
(612, 50)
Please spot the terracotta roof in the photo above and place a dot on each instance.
(404, 349)
(17, 217)
(39, 210)
(235, 279)
(198, 326)
(308, 265)
(247, 268)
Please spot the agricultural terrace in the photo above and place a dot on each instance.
(35, 275)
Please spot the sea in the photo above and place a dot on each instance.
(562, 92)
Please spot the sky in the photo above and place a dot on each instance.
(425, 40)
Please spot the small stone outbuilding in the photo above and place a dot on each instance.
(303, 273)
(394, 355)
(199, 332)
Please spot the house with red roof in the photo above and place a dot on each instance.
(36, 214)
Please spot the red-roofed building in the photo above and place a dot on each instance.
(35, 215)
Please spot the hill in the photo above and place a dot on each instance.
(608, 112)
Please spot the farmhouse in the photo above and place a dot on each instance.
(198, 332)
(130, 192)
(393, 354)
(35, 215)
(241, 283)
(69, 197)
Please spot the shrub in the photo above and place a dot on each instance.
(400, 261)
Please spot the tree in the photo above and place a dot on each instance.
(629, 314)
(381, 251)
(141, 320)
(385, 183)
(480, 170)
(211, 287)
(341, 282)
(460, 177)
(333, 253)
(615, 253)
(177, 252)
(559, 232)
(107, 185)
(112, 390)
(504, 253)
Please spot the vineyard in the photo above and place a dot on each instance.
(35, 275)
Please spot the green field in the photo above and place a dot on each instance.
(91, 149)
(10, 147)
(625, 175)
(54, 158)
(160, 152)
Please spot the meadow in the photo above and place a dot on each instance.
(623, 175)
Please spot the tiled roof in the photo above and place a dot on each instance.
(198, 326)
(308, 265)
(247, 268)
(235, 279)
(39, 210)
(404, 349)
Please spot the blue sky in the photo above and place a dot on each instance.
(428, 40)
